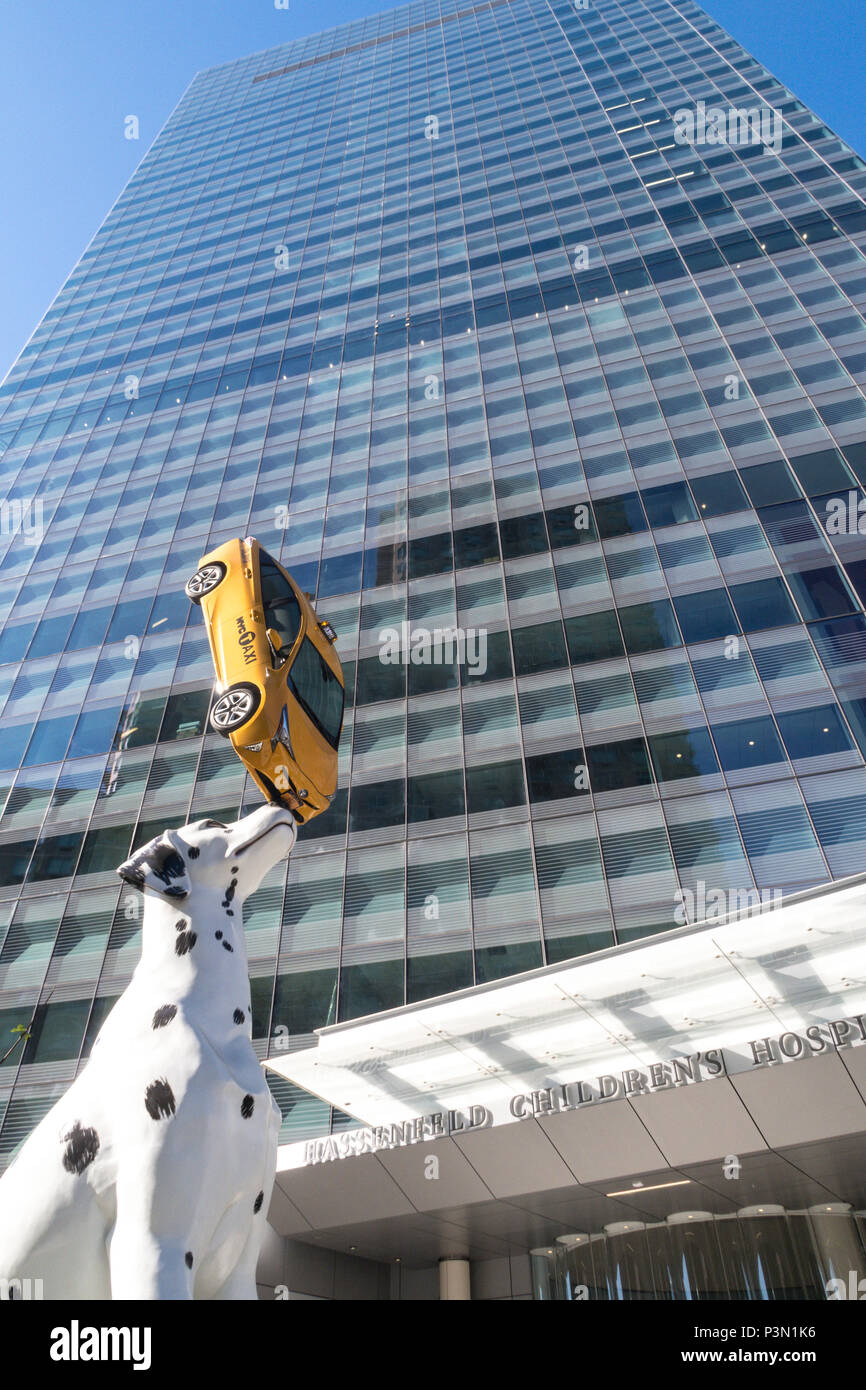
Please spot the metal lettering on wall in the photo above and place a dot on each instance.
(575, 1095)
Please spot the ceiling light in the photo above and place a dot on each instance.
(656, 1187)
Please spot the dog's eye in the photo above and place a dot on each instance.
(212, 825)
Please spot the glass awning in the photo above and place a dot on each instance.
(769, 972)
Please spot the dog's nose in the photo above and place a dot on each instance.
(263, 822)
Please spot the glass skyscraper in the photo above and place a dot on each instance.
(480, 316)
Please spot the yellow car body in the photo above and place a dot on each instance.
(280, 690)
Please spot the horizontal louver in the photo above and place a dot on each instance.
(262, 912)
(303, 1115)
(23, 1115)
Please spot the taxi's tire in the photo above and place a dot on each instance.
(234, 708)
(204, 581)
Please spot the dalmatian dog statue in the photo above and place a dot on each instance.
(151, 1176)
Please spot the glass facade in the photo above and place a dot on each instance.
(759, 1254)
(440, 307)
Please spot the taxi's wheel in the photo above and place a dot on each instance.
(234, 708)
(204, 581)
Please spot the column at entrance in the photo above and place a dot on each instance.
(454, 1279)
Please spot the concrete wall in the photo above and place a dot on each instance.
(308, 1272)
(507, 1278)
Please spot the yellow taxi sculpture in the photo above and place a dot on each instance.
(280, 690)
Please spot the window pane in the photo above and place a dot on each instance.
(686, 754)
(378, 804)
(89, 628)
(763, 603)
(437, 794)
(822, 593)
(748, 743)
(649, 626)
(368, 989)
(104, 849)
(57, 1031)
(593, 637)
(808, 733)
(615, 765)
(51, 635)
(538, 648)
(494, 962)
(476, 545)
(494, 787)
(318, 691)
(822, 472)
(49, 741)
(619, 516)
(55, 856)
(767, 483)
(705, 616)
(427, 976)
(668, 505)
(281, 607)
(718, 494)
(93, 733)
(430, 555)
(556, 775)
(380, 681)
(185, 715)
(305, 1001)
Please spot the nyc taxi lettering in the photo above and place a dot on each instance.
(247, 642)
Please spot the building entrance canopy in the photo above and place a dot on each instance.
(773, 984)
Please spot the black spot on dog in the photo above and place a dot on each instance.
(227, 946)
(238, 1016)
(247, 1106)
(188, 1259)
(193, 852)
(82, 1146)
(230, 892)
(234, 868)
(181, 924)
(166, 864)
(218, 935)
(185, 942)
(257, 1204)
(162, 860)
(164, 1014)
(229, 912)
(159, 1100)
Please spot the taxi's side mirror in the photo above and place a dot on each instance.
(275, 642)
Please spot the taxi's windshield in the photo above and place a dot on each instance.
(318, 691)
(281, 608)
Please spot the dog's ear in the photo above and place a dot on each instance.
(160, 866)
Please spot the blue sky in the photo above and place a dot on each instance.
(70, 73)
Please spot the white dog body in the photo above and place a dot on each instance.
(151, 1177)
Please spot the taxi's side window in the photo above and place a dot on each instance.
(281, 608)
